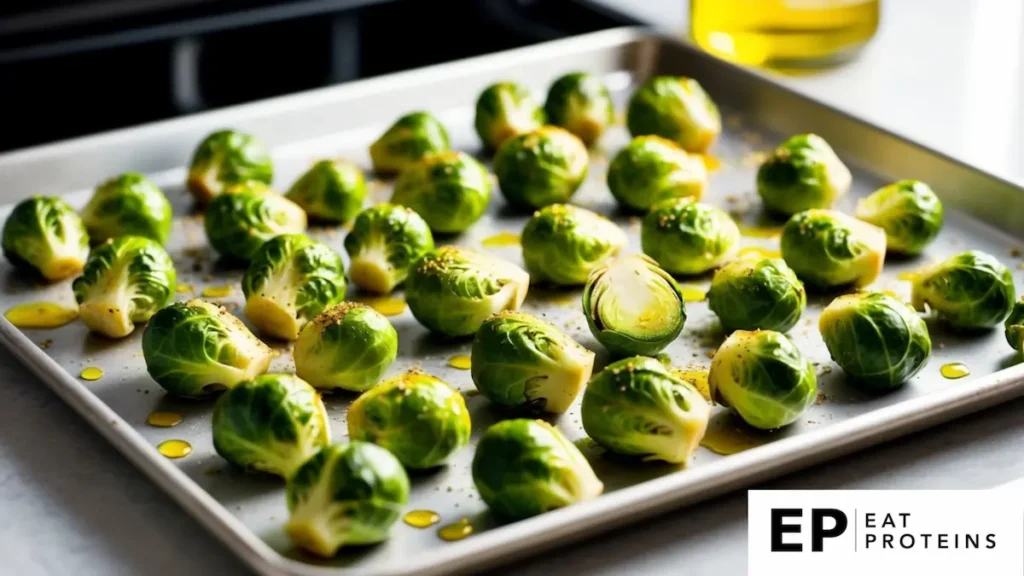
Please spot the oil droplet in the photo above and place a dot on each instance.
(726, 436)
(691, 294)
(664, 358)
(761, 231)
(216, 291)
(711, 163)
(699, 379)
(907, 276)
(758, 251)
(185, 289)
(41, 315)
(386, 305)
(160, 419)
(91, 373)
(175, 448)
(954, 370)
(456, 531)
(502, 239)
(461, 361)
(421, 518)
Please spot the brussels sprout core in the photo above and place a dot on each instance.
(124, 281)
(383, 244)
(876, 339)
(418, 418)
(330, 191)
(128, 205)
(651, 169)
(969, 290)
(581, 104)
(523, 468)
(43, 233)
(196, 348)
(803, 173)
(348, 346)
(828, 249)
(687, 237)
(675, 108)
(345, 495)
(237, 224)
(757, 294)
(520, 360)
(450, 190)
(909, 212)
(1015, 327)
(272, 423)
(636, 407)
(409, 139)
(225, 158)
(542, 167)
(633, 307)
(763, 377)
(504, 110)
(562, 244)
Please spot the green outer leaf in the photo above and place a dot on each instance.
(318, 272)
(580, 103)
(909, 212)
(757, 294)
(398, 232)
(562, 244)
(449, 190)
(675, 108)
(651, 169)
(823, 250)
(503, 110)
(802, 173)
(969, 290)
(330, 191)
(542, 167)
(347, 346)
(41, 228)
(404, 143)
(233, 157)
(128, 205)
(1014, 327)
(688, 237)
(238, 223)
(136, 266)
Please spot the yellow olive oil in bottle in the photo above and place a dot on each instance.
(783, 33)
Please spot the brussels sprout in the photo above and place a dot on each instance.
(757, 294)
(828, 249)
(348, 346)
(633, 307)
(520, 360)
(384, 242)
(224, 158)
(580, 103)
(195, 348)
(44, 234)
(687, 237)
(969, 290)
(636, 407)
(650, 169)
(450, 190)
(1015, 327)
(409, 139)
(803, 173)
(525, 467)
(909, 212)
(291, 279)
(763, 377)
(345, 495)
(562, 244)
(272, 423)
(330, 191)
(876, 339)
(542, 167)
(128, 205)
(418, 418)
(452, 290)
(504, 110)
(125, 281)
(676, 108)
(237, 224)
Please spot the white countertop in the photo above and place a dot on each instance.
(944, 72)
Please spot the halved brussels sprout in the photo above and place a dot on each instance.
(562, 244)
(676, 108)
(290, 280)
(828, 249)
(195, 348)
(802, 173)
(519, 360)
(125, 281)
(757, 294)
(417, 417)
(636, 407)
(580, 103)
(330, 191)
(128, 205)
(504, 110)
(348, 346)
(1015, 327)
(345, 495)
(238, 223)
(224, 158)
(969, 290)
(43, 233)
(272, 423)
(524, 467)
(909, 212)
(452, 290)
(687, 237)
(409, 139)
(650, 169)
(450, 190)
(763, 377)
(876, 339)
(384, 242)
(633, 307)
(546, 166)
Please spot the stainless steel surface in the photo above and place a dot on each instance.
(247, 511)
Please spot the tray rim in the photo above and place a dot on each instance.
(499, 545)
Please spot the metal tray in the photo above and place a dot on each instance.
(247, 511)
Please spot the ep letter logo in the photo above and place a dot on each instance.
(824, 523)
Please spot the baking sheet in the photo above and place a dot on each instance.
(252, 508)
